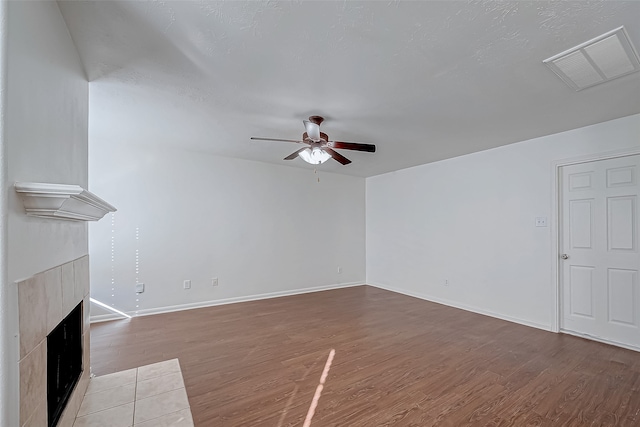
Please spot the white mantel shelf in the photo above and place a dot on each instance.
(61, 201)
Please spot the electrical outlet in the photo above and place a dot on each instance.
(214, 281)
(541, 221)
(139, 288)
(446, 282)
(187, 284)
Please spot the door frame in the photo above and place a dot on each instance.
(556, 237)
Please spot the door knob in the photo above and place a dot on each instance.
(564, 256)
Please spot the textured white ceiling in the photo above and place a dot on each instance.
(423, 81)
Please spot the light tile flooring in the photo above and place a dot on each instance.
(148, 396)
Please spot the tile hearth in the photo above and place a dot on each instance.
(148, 396)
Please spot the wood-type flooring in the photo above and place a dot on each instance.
(399, 361)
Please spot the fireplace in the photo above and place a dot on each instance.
(53, 311)
(64, 363)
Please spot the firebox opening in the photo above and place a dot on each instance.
(64, 363)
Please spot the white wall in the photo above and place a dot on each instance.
(47, 133)
(258, 228)
(470, 220)
(47, 120)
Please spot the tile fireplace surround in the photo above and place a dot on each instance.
(44, 300)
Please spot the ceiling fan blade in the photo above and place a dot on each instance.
(295, 154)
(313, 130)
(337, 156)
(357, 146)
(255, 138)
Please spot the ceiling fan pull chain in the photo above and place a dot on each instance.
(316, 172)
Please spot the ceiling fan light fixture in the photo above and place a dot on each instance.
(314, 156)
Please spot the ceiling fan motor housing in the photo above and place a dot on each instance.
(323, 135)
(316, 119)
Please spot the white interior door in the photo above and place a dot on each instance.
(600, 233)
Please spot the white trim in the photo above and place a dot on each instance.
(596, 156)
(212, 303)
(462, 306)
(105, 318)
(555, 249)
(556, 299)
(9, 407)
(61, 201)
(111, 309)
(602, 340)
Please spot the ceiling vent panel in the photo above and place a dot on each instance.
(599, 60)
(578, 69)
(611, 56)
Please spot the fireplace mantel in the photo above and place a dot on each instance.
(61, 201)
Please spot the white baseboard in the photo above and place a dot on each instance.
(462, 306)
(202, 304)
(104, 317)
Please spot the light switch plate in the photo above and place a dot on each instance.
(139, 288)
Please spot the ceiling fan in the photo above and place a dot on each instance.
(320, 149)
